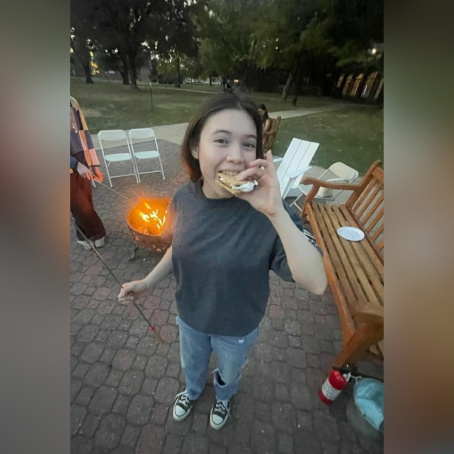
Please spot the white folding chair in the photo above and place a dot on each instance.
(145, 134)
(116, 135)
(342, 172)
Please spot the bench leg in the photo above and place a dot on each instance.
(362, 339)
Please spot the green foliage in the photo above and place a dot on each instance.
(235, 38)
(226, 41)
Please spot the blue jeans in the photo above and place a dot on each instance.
(195, 351)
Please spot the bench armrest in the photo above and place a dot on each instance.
(317, 184)
(337, 179)
(367, 313)
(326, 184)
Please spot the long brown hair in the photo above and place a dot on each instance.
(210, 107)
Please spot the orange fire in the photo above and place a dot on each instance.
(149, 216)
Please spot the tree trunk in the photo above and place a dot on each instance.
(210, 82)
(132, 70)
(177, 84)
(123, 67)
(287, 86)
(297, 83)
(124, 75)
(87, 72)
(243, 83)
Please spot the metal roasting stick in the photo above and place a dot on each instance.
(116, 192)
(121, 195)
(152, 327)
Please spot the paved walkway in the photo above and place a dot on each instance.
(123, 383)
(175, 133)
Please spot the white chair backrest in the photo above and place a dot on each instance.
(298, 156)
(142, 133)
(343, 171)
(118, 137)
(113, 134)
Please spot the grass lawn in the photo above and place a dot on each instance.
(353, 136)
(273, 101)
(110, 105)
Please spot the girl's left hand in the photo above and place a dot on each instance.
(266, 197)
(97, 174)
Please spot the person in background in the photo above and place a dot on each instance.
(84, 168)
(266, 122)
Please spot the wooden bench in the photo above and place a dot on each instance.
(270, 136)
(354, 269)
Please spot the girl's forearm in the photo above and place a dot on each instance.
(304, 261)
(161, 270)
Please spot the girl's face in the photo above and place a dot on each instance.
(227, 143)
(261, 112)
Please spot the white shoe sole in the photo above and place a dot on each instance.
(100, 243)
(218, 426)
(85, 245)
(180, 418)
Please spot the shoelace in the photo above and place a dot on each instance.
(184, 399)
(221, 408)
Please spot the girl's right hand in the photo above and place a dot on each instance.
(84, 171)
(131, 291)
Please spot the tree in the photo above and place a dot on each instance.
(127, 24)
(123, 25)
(179, 34)
(312, 37)
(81, 54)
(225, 31)
(111, 59)
(278, 34)
(81, 39)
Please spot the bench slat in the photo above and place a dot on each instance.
(369, 200)
(370, 247)
(357, 273)
(381, 245)
(373, 275)
(373, 209)
(337, 263)
(348, 326)
(350, 274)
(363, 196)
(378, 232)
(376, 219)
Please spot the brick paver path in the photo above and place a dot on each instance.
(123, 383)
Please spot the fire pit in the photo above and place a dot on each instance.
(146, 221)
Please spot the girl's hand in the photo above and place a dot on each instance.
(98, 176)
(131, 291)
(84, 171)
(266, 197)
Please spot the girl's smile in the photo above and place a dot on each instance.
(227, 144)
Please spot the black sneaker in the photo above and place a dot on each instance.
(182, 407)
(220, 414)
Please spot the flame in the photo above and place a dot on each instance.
(153, 216)
(149, 216)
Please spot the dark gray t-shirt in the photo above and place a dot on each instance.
(222, 251)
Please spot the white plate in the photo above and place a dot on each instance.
(351, 233)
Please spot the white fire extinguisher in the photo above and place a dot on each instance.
(336, 381)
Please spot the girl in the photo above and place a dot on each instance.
(266, 122)
(84, 167)
(223, 247)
